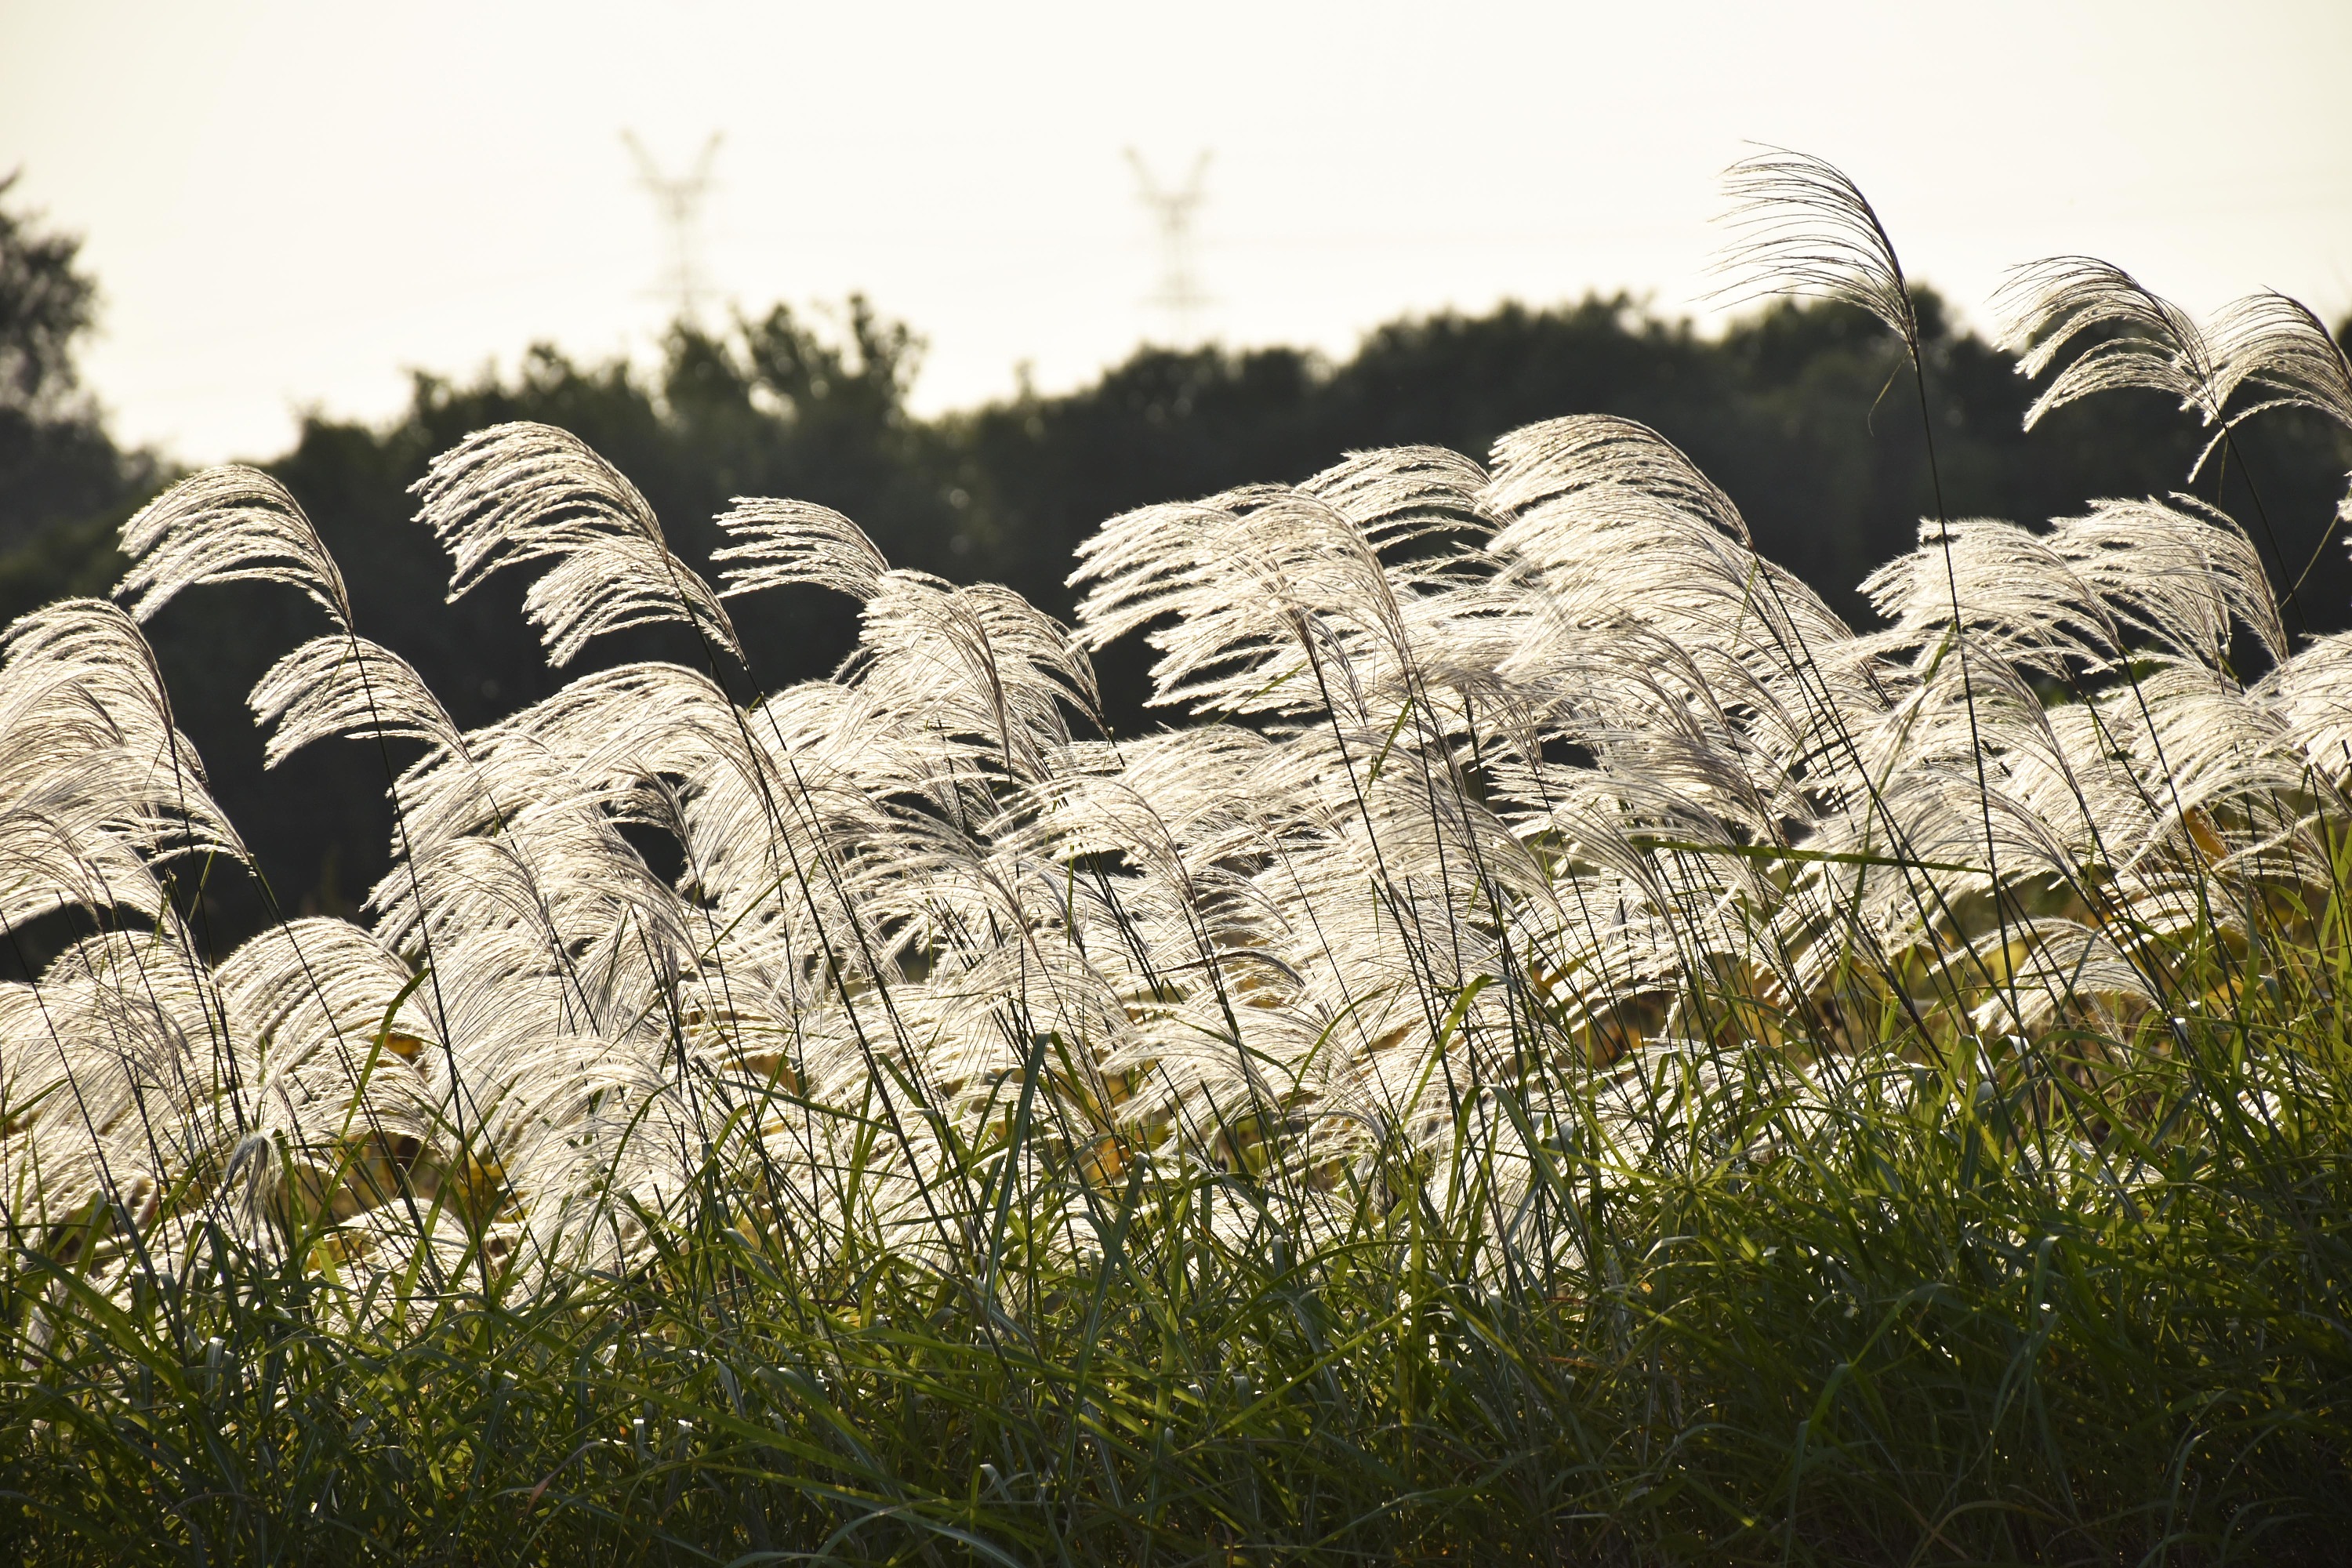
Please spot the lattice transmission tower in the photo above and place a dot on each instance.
(678, 199)
(1179, 295)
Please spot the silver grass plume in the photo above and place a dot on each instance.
(86, 736)
(346, 686)
(1800, 226)
(1805, 228)
(228, 524)
(2265, 339)
(519, 493)
(788, 541)
(235, 524)
(47, 864)
(2279, 345)
(1586, 457)
(2156, 345)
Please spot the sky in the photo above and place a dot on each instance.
(290, 207)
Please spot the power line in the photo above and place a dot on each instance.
(1180, 294)
(678, 198)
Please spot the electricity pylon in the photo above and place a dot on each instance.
(1180, 295)
(678, 198)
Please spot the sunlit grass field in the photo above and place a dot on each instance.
(1562, 1049)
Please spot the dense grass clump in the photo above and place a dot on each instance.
(1569, 1052)
(1902, 1338)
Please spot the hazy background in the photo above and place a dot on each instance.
(288, 204)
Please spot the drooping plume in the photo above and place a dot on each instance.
(519, 493)
(346, 686)
(788, 541)
(227, 525)
(1800, 226)
(2152, 344)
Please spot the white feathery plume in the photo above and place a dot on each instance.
(1618, 524)
(1270, 590)
(1800, 226)
(790, 542)
(2279, 345)
(2311, 694)
(318, 984)
(115, 1066)
(230, 524)
(2091, 589)
(518, 493)
(346, 686)
(46, 865)
(238, 524)
(587, 1131)
(976, 661)
(87, 737)
(1597, 457)
(2153, 343)
(2179, 574)
(555, 867)
(1398, 494)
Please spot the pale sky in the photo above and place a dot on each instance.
(288, 205)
